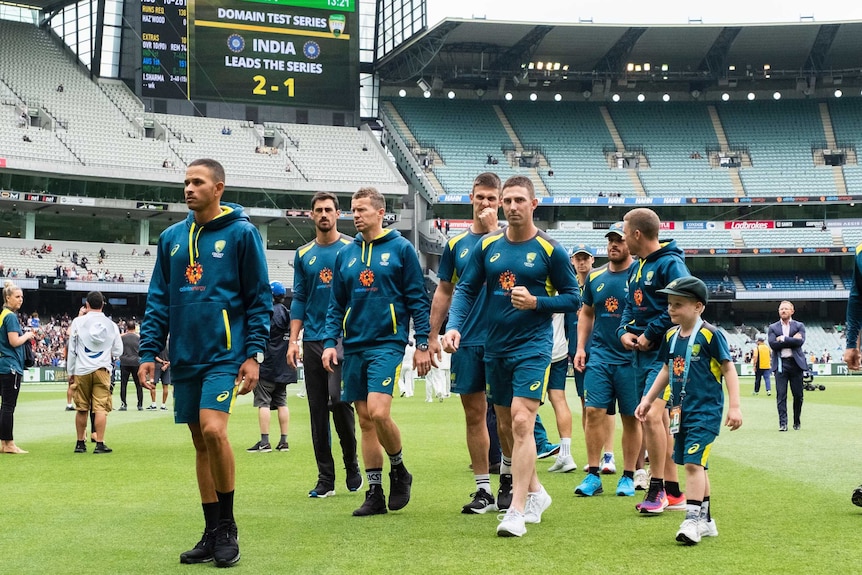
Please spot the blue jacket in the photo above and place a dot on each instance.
(795, 344)
(210, 290)
(376, 288)
(646, 310)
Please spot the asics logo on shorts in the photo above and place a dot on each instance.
(535, 385)
(387, 381)
(694, 449)
(222, 396)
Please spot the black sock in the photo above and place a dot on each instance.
(225, 505)
(656, 484)
(672, 488)
(629, 474)
(593, 470)
(708, 508)
(211, 511)
(395, 459)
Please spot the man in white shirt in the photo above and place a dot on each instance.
(94, 342)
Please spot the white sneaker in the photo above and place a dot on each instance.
(641, 480)
(609, 466)
(689, 532)
(563, 464)
(511, 524)
(707, 528)
(536, 504)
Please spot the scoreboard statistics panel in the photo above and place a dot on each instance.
(302, 53)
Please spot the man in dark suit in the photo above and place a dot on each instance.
(786, 338)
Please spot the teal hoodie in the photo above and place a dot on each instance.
(210, 289)
(646, 310)
(377, 287)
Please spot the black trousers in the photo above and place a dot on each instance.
(125, 372)
(791, 374)
(10, 385)
(323, 390)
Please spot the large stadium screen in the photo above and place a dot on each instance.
(302, 53)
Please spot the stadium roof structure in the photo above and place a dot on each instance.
(488, 55)
(46, 6)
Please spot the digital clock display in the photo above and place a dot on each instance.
(300, 53)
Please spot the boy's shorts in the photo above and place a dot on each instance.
(467, 374)
(93, 391)
(270, 394)
(369, 371)
(693, 445)
(510, 377)
(203, 387)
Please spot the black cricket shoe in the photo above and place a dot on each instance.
(81, 447)
(400, 482)
(226, 548)
(322, 490)
(482, 503)
(354, 478)
(202, 552)
(504, 494)
(857, 496)
(375, 502)
(102, 448)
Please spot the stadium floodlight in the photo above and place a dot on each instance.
(558, 97)
(725, 97)
(508, 96)
(838, 93)
(451, 95)
(665, 97)
(402, 92)
(533, 97)
(751, 96)
(615, 97)
(641, 97)
(427, 93)
(776, 96)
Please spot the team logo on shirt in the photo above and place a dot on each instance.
(507, 280)
(175, 248)
(695, 350)
(325, 275)
(649, 275)
(464, 253)
(600, 288)
(495, 257)
(219, 249)
(194, 273)
(678, 365)
(611, 304)
(351, 262)
(531, 258)
(312, 260)
(366, 277)
(638, 296)
(384, 259)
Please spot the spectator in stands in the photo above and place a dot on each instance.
(60, 88)
(446, 227)
(102, 253)
(26, 138)
(147, 251)
(225, 131)
(550, 173)
(364, 147)
(786, 338)
(768, 285)
(120, 278)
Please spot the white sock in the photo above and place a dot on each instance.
(505, 466)
(483, 481)
(565, 447)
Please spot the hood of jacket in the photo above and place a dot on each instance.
(668, 247)
(229, 213)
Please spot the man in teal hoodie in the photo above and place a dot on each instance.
(644, 321)
(210, 289)
(377, 287)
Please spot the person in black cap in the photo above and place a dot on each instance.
(693, 348)
(275, 374)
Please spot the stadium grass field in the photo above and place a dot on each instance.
(781, 500)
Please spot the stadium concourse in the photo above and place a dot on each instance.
(742, 138)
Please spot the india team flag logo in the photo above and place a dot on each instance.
(337, 24)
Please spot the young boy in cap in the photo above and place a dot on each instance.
(697, 356)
